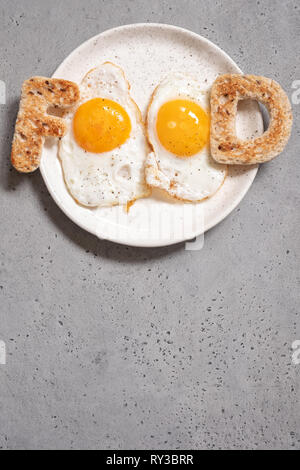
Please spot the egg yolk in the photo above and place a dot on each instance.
(101, 125)
(182, 127)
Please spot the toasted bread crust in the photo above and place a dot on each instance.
(34, 124)
(226, 92)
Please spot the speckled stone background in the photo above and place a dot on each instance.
(120, 348)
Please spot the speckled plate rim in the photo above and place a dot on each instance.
(213, 220)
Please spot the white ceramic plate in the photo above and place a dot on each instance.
(147, 53)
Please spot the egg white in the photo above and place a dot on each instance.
(186, 178)
(109, 178)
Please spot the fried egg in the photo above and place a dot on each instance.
(104, 151)
(178, 127)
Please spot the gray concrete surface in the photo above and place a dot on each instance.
(114, 347)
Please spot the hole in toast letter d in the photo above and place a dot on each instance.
(2, 353)
(2, 92)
